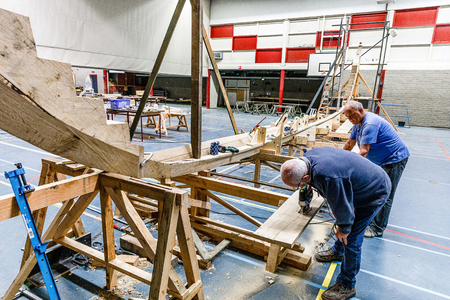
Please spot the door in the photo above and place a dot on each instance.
(94, 82)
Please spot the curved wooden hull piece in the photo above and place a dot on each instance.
(38, 104)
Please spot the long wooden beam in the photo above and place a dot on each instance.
(241, 191)
(157, 65)
(219, 79)
(250, 180)
(50, 194)
(196, 77)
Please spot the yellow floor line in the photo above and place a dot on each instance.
(326, 281)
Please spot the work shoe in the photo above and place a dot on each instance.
(339, 292)
(370, 233)
(327, 255)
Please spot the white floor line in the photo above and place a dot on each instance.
(411, 246)
(26, 168)
(406, 284)
(25, 148)
(421, 232)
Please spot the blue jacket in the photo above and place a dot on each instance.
(348, 181)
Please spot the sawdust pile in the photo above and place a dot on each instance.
(126, 286)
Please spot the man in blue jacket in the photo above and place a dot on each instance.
(380, 143)
(355, 189)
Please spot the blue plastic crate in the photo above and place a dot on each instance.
(119, 103)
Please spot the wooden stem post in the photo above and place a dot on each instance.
(196, 78)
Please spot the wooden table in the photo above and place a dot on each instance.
(132, 112)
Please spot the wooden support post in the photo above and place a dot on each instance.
(196, 78)
(272, 258)
(203, 197)
(147, 241)
(187, 248)
(108, 237)
(166, 239)
(257, 172)
(219, 79)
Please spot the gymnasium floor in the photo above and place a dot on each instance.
(411, 260)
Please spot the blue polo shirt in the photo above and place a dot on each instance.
(386, 146)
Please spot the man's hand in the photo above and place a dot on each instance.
(341, 236)
(349, 145)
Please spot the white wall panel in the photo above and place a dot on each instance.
(270, 42)
(370, 57)
(440, 53)
(227, 59)
(411, 36)
(303, 26)
(443, 15)
(409, 54)
(366, 37)
(246, 29)
(244, 56)
(222, 44)
(124, 35)
(271, 28)
(329, 22)
(302, 40)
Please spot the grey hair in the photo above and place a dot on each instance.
(354, 104)
(293, 171)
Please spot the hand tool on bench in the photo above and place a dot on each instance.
(232, 149)
(21, 188)
(304, 199)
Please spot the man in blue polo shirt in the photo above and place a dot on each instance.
(380, 143)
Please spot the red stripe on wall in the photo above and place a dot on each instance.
(425, 16)
(364, 18)
(244, 42)
(441, 34)
(299, 54)
(268, 55)
(222, 31)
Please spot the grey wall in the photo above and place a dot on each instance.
(178, 87)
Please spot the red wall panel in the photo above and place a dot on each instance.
(330, 39)
(268, 55)
(425, 16)
(244, 42)
(441, 34)
(377, 17)
(222, 31)
(299, 55)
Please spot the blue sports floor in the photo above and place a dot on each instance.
(411, 260)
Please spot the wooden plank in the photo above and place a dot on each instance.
(219, 79)
(342, 136)
(281, 159)
(286, 225)
(141, 232)
(276, 168)
(196, 77)
(232, 208)
(232, 189)
(49, 194)
(108, 237)
(203, 197)
(138, 186)
(187, 247)
(298, 260)
(166, 240)
(257, 173)
(283, 187)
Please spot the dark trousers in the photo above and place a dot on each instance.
(394, 172)
(351, 262)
